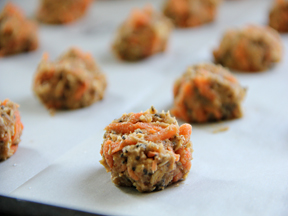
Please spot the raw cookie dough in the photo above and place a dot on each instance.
(143, 34)
(62, 11)
(73, 81)
(278, 17)
(207, 92)
(252, 48)
(10, 129)
(189, 13)
(147, 150)
(17, 34)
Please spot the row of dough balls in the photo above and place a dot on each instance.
(146, 32)
(204, 93)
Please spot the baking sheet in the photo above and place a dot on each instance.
(242, 171)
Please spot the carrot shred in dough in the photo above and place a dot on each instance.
(204, 88)
(166, 133)
(186, 131)
(134, 118)
(152, 154)
(117, 146)
(154, 165)
(185, 157)
(177, 177)
(128, 127)
(81, 90)
(108, 157)
(18, 126)
(132, 174)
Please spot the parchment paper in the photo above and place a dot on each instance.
(241, 171)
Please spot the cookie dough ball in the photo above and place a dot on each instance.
(207, 93)
(147, 150)
(143, 34)
(17, 34)
(189, 13)
(62, 11)
(252, 48)
(278, 17)
(10, 129)
(73, 81)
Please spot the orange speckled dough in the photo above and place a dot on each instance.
(251, 49)
(10, 128)
(190, 13)
(278, 17)
(73, 81)
(207, 93)
(147, 150)
(17, 34)
(143, 34)
(62, 11)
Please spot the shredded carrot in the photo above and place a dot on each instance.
(18, 126)
(81, 90)
(128, 127)
(204, 87)
(135, 117)
(152, 154)
(139, 18)
(177, 156)
(5, 102)
(241, 55)
(177, 177)
(108, 157)
(132, 174)
(231, 78)
(185, 130)
(185, 157)
(118, 146)
(154, 165)
(14, 148)
(166, 133)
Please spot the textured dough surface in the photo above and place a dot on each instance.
(252, 48)
(73, 81)
(10, 128)
(207, 93)
(143, 34)
(190, 13)
(17, 34)
(278, 17)
(147, 150)
(62, 11)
